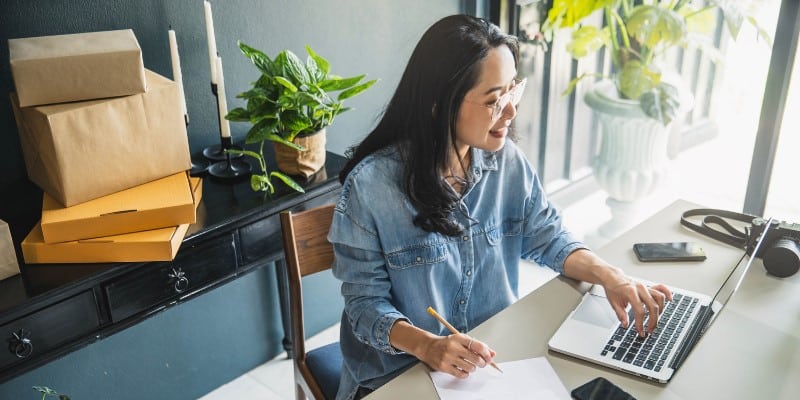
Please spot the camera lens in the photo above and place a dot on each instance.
(783, 258)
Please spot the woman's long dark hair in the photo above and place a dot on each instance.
(421, 116)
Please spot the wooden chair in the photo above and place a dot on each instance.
(316, 372)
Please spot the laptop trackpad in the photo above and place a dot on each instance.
(596, 310)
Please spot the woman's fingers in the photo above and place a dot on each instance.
(462, 355)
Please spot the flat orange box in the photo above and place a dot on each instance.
(80, 151)
(74, 67)
(165, 202)
(153, 245)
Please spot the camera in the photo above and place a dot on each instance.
(781, 248)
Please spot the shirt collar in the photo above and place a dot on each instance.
(483, 160)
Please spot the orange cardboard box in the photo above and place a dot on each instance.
(162, 203)
(81, 66)
(153, 245)
(80, 151)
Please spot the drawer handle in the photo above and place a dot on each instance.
(20, 344)
(181, 281)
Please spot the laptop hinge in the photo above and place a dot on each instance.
(696, 331)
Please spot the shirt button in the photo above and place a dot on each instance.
(462, 302)
(465, 238)
(469, 273)
(419, 259)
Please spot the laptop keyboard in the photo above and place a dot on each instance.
(652, 351)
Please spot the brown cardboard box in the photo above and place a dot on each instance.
(159, 204)
(82, 66)
(80, 151)
(8, 257)
(153, 245)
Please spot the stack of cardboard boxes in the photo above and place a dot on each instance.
(106, 141)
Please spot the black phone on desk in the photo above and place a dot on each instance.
(669, 251)
(600, 389)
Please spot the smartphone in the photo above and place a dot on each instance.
(600, 389)
(672, 251)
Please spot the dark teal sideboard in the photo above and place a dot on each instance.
(52, 310)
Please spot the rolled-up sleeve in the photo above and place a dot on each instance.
(545, 239)
(360, 265)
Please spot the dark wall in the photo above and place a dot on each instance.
(357, 36)
(188, 350)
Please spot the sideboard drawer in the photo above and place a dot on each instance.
(43, 330)
(262, 239)
(194, 267)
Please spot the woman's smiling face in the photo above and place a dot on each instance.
(475, 125)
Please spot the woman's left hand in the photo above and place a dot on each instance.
(643, 300)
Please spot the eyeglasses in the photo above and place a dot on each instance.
(513, 96)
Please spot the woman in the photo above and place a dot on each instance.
(437, 208)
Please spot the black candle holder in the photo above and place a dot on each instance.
(217, 152)
(229, 169)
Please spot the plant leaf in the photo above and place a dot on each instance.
(567, 13)
(279, 139)
(238, 114)
(244, 152)
(323, 65)
(296, 69)
(355, 90)
(261, 183)
(338, 83)
(701, 21)
(296, 122)
(254, 93)
(259, 59)
(655, 26)
(286, 83)
(314, 74)
(661, 103)
(287, 180)
(733, 14)
(262, 130)
(585, 39)
(636, 79)
(574, 83)
(46, 390)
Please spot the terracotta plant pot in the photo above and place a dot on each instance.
(302, 163)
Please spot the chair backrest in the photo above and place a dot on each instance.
(307, 251)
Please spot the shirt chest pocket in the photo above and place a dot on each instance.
(508, 228)
(417, 256)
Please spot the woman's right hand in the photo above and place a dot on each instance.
(458, 354)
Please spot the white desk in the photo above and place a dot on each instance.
(752, 351)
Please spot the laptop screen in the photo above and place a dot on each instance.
(736, 276)
(721, 298)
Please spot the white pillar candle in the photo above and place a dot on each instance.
(177, 76)
(212, 40)
(225, 126)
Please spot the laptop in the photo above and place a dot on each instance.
(593, 333)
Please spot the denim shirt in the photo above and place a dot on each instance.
(392, 270)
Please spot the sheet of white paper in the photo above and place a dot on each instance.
(533, 378)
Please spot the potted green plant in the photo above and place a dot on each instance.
(638, 102)
(290, 105)
(638, 34)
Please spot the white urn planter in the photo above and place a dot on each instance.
(632, 160)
